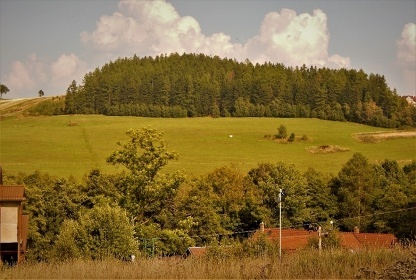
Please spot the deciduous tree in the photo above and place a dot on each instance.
(3, 90)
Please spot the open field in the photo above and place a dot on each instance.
(337, 264)
(75, 144)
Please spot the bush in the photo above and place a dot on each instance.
(49, 107)
(103, 231)
(281, 132)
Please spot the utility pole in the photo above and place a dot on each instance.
(320, 239)
(280, 224)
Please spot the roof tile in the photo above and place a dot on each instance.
(12, 193)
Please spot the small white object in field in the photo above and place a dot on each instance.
(231, 136)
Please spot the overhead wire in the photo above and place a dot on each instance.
(292, 226)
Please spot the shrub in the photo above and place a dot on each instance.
(281, 132)
(101, 232)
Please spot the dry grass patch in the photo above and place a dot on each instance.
(307, 264)
(326, 149)
(378, 136)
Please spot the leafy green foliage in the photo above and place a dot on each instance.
(270, 178)
(99, 233)
(281, 132)
(48, 107)
(154, 156)
(49, 202)
(322, 202)
(3, 90)
(147, 194)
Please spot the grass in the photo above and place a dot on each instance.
(75, 144)
(337, 264)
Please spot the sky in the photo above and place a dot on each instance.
(46, 44)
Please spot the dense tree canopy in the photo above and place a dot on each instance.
(191, 85)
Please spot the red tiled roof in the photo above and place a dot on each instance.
(293, 239)
(197, 251)
(12, 193)
(367, 240)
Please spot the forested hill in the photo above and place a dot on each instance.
(194, 85)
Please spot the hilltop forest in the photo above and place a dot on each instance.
(196, 85)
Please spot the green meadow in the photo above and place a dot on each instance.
(74, 144)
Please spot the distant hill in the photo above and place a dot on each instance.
(17, 107)
(196, 85)
(22, 107)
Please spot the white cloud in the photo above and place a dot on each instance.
(67, 66)
(154, 27)
(406, 45)
(148, 28)
(19, 77)
(293, 39)
(406, 57)
(24, 75)
(28, 77)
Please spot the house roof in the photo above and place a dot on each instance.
(12, 193)
(196, 251)
(367, 240)
(293, 239)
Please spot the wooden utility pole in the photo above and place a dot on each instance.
(280, 224)
(320, 239)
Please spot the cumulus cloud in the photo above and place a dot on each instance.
(406, 56)
(67, 66)
(293, 39)
(148, 28)
(29, 76)
(154, 27)
(25, 75)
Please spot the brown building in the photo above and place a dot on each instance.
(13, 224)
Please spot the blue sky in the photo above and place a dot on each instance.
(47, 44)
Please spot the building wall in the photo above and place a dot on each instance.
(9, 219)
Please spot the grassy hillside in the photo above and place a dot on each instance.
(18, 107)
(73, 145)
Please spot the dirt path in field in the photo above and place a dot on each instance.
(372, 137)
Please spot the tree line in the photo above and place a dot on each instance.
(119, 214)
(195, 85)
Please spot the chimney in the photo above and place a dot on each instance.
(356, 229)
(261, 227)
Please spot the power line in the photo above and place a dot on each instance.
(376, 214)
(292, 226)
